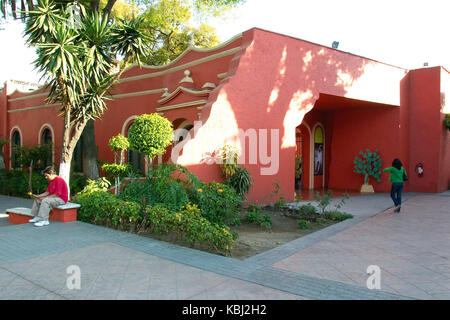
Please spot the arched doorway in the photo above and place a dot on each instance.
(319, 156)
(298, 159)
(181, 132)
(302, 157)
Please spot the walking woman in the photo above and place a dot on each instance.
(397, 175)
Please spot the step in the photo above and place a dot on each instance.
(63, 213)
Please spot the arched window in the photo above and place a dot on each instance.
(15, 155)
(46, 138)
(136, 159)
(318, 151)
(184, 132)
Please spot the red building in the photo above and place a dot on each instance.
(272, 96)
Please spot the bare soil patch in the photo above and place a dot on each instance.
(253, 239)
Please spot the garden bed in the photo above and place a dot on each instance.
(253, 239)
(173, 205)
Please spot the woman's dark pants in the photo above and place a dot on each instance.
(396, 193)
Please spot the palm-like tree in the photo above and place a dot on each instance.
(12, 6)
(79, 62)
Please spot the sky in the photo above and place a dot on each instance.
(404, 33)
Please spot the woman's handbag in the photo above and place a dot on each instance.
(405, 177)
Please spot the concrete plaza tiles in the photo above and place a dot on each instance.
(118, 265)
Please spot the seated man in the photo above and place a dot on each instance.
(57, 194)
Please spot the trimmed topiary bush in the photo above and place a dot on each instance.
(150, 134)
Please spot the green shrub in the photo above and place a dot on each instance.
(103, 208)
(113, 170)
(101, 184)
(191, 227)
(15, 183)
(136, 190)
(218, 202)
(265, 221)
(307, 209)
(323, 201)
(169, 184)
(276, 194)
(303, 224)
(174, 186)
(36, 155)
(447, 121)
(337, 216)
(254, 215)
(77, 183)
(240, 180)
(321, 221)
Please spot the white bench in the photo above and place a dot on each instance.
(63, 213)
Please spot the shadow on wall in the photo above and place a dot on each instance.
(277, 82)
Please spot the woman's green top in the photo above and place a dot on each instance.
(395, 174)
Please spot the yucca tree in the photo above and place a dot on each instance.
(78, 57)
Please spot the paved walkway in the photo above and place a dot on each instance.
(412, 250)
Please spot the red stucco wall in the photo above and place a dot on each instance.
(273, 83)
(426, 132)
(279, 79)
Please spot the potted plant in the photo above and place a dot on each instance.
(369, 165)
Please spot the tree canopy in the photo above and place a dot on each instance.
(78, 54)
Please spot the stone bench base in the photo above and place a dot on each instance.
(64, 213)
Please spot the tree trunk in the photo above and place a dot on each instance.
(30, 185)
(95, 5)
(13, 8)
(90, 149)
(107, 9)
(68, 146)
(366, 179)
(90, 152)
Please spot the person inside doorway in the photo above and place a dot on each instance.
(318, 160)
(57, 194)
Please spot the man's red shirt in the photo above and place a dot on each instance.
(58, 186)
